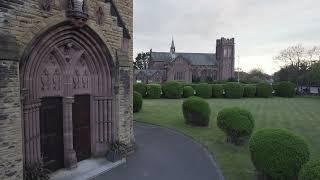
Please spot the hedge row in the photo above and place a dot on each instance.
(153, 91)
(172, 89)
(177, 90)
(137, 101)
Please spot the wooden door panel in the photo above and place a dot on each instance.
(51, 129)
(81, 127)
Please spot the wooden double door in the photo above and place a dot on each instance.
(81, 127)
(51, 129)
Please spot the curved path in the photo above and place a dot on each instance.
(163, 154)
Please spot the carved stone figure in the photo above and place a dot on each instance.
(56, 80)
(85, 80)
(76, 80)
(45, 80)
(100, 16)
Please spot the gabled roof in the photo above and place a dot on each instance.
(121, 23)
(193, 58)
(148, 72)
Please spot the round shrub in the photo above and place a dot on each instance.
(236, 123)
(233, 90)
(203, 90)
(310, 171)
(153, 91)
(193, 85)
(172, 89)
(188, 91)
(275, 86)
(286, 89)
(196, 111)
(264, 90)
(140, 88)
(278, 153)
(217, 90)
(137, 101)
(249, 91)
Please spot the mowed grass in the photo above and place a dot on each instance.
(300, 115)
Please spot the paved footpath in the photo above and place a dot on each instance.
(163, 154)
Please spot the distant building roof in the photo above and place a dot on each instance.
(148, 72)
(193, 58)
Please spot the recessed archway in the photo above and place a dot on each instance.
(65, 62)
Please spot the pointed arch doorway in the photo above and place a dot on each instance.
(67, 76)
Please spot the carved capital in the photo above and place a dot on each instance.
(68, 100)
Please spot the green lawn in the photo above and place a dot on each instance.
(301, 115)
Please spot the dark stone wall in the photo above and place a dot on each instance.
(11, 161)
(10, 121)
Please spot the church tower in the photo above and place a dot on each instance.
(225, 55)
(173, 49)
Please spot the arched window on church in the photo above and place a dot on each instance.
(179, 76)
(204, 74)
(215, 75)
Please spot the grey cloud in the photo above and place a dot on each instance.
(261, 27)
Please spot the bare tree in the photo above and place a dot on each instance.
(296, 62)
(293, 55)
(298, 55)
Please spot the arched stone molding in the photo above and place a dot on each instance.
(45, 25)
(63, 62)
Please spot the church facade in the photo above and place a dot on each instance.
(65, 81)
(190, 67)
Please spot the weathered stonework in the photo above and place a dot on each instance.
(11, 160)
(21, 24)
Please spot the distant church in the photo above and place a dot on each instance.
(190, 67)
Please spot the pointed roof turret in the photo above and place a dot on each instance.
(172, 48)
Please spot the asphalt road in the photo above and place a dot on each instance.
(163, 154)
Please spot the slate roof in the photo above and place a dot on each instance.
(148, 72)
(193, 58)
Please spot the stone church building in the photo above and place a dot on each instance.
(65, 81)
(190, 67)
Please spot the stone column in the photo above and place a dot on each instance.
(31, 119)
(125, 91)
(70, 159)
(102, 118)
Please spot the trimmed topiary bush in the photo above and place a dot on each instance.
(172, 89)
(137, 101)
(236, 123)
(310, 171)
(196, 111)
(264, 90)
(275, 86)
(233, 90)
(278, 153)
(286, 89)
(203, 90)
(153, 91)
(188, 91)
(217, 90)
(250, 91)
(140, 88)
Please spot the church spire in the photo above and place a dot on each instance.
(173, 48)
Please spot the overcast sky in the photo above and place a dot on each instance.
(261, 28)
